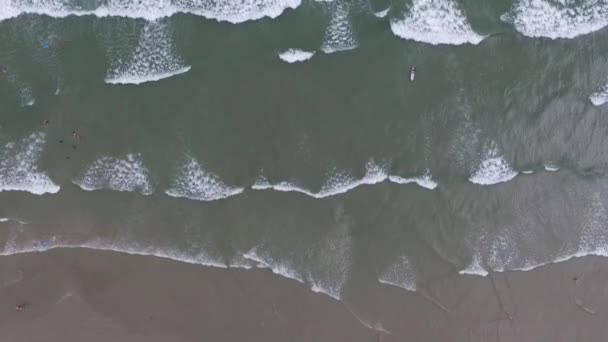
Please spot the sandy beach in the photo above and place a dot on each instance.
(85, 295)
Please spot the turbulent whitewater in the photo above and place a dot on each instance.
(557, 18)
(222, 10)
(118, 174)
(18, 166)
(493, 169)
(339, 34)
(400, 274)
(324, 266)
(340, 182)
(425, 181)
(435, 22)
(193, 182)
(154, 58)
(296, 55)
(599, 97)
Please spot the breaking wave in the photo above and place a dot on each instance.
(339, 34)
(340, 183)
(557, 18)
(435, 22)
(599, 97)
(195, 183)
(18, 169)
(221, 10)
(128, 174)
(153, 59)
(295, 55)
(381, 14)
(493, 169)
(425, 181)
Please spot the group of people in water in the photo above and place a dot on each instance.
(75, 137)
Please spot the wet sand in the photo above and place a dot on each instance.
(84, 295)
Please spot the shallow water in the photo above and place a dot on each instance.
(288, 135)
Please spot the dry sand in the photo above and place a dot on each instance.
(83, 295)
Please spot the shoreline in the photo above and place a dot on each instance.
(70, 295)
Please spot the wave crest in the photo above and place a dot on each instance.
(221, 10)
(128, 174)
(195, 183)
(18, 169)
(557, 18)
(435, 22)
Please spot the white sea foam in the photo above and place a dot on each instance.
(502, 253)
(600, 96)
(330, 259)
(26, 97)
(130, 78)
(263, 260)
(425, 181)
(128, 174)
(261, 184)
(295, 55)
(475, 268)
(221, 10)
(195, 183)
(435, 22)
(18, 169)
(10, 219)
(239, 261)
(200, 258)
(493, 169)
(324, 265)
(339, 182)
(400, 274)
(527, 172)
(154, 58)
(339, 35)
(253, 258)
(381, 14)
(551, 167)
(557, 18)
(593, 242)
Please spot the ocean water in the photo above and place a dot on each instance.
(287, 135)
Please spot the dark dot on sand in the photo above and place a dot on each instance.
(74, 146)
(68, 157)
(61, 141)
